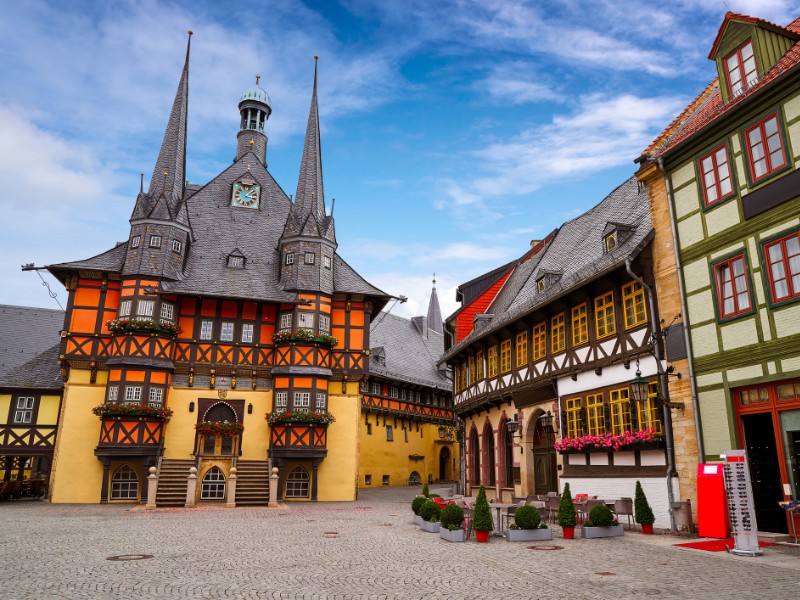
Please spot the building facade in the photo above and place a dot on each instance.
(725, 173)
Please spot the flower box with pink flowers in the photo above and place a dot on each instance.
(648, 439)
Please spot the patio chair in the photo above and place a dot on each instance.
(624, 506)
(552, 507)
(509, 514)
(467, 525)
(590, 504)
(580, 502)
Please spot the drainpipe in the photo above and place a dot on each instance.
(686, 337)
(663, 382)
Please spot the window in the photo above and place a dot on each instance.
(133, 394)
(155, 241)
(648, 411)
(369, 428)
(492, 362)
(213, 485)
(764, 142)
(385, 479)
(156, 396)
(167, 311)
(610, 241)
(205, 329)
(540, 285)
(309, 258)
(236, 262)
(125, 484)
(144, 308)
(558, 334)
(733, 290)
(783, 258)
(376, 388)
(135, 241)
(522, 349)
(633, 304)
(539, 341)
(124, 308)
(595, 414)
(461, 377)
(297, 483)
(24, 409)
(305, 320)
(389, 434)
(280, 401)
(113, 393)
(574, 428)
(302, 400)
(290, 258)
(715, 175)
(326, 262)
(286, 321)
(473, 372)
(226, 332)
(604, 315)
(620, 411)
(505, 356)
(479, 365)
(580, 325)
(403, 393)
(324, 324)
(392, 392)
(247, 333)
(322, 402)
(740, 65)
(367, 479)
(176, 246)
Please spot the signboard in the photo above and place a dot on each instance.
(741, 510)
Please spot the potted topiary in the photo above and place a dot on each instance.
(601, 523)
(430, 516)
(642, 513)
(416, 504)
(528, 526)
(425, 491)
(452, 520)
(566, 514)
(482, 521)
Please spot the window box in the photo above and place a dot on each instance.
(142, 326)
(303, 336)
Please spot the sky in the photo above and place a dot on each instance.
(454, 132)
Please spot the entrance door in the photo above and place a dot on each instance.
(545, 477)
(444, 461)
(762, 452)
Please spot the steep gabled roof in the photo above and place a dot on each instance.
(731, 16)
(26, 332)
(110, 260)
(39, 373)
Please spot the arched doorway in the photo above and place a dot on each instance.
(475, 451)
(545, 469)
(219, 413)
(444, 462)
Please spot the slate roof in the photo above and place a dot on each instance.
(25, 333)
(410, 356)
(708, 106)
(111, 260)
(346, 280)
(576, 252)
(40, 373)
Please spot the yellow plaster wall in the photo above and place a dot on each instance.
(48, 410)
(337, 473)
(5, 405)
(722, 217)
(739, 333)
(787, 320)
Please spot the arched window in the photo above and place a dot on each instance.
(125, 484)
(220, 412)
(509, 456)
(488, 440)
(476, 457)
(213, 485)
(297, 483)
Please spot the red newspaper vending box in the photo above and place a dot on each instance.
(712, 504)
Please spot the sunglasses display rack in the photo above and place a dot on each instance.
(741, 510)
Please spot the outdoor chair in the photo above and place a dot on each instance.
(509, 514)
(552, 507)
(589, 505)
(624, 506)
(467, 520)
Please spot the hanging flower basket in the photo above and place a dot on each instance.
(304, 336)
(114, 409)
(610, 442)
(300, 416)
(143, 326)
(225, 428)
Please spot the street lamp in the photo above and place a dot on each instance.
(639, 386)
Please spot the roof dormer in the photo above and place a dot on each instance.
(745, 49)
(547, 279)
(614, 234)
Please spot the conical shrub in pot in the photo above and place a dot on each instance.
(566, 514)
(642, 513)
(425, 491)
(482, 521)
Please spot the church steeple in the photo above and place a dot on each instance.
(434, 312)
(310, 197)
(255, 108)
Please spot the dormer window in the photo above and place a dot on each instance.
(236, 261)
(540, 285)
(176, 246)
(290, 258)
(309, 258)
(610, 241)
(155, 241)
(614, 235)
(135, 241)
(741, 69)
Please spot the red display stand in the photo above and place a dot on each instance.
(712, 504)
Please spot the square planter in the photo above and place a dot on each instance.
(430, 527)
(529, 535)
(417, 520)
(601, 532)
(451, 536)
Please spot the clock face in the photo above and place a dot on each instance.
(245, 194)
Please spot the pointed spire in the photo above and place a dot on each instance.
(310, 197)
(434, 312)
(169, 174)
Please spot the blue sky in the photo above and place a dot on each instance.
(454, 132)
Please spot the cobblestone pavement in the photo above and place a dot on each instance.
(367, 549)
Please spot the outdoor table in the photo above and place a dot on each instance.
(791, 507)
(498, 524)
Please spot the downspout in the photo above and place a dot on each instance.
(686, 337)
(663, 383)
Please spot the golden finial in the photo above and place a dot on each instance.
(190, 32)
(316, 57)
(257, 78)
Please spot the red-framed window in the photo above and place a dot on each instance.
(783, 259)
(765, 151)
(733, 287)
(740, 65)
(715, 174)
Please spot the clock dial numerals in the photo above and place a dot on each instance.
(245, 195)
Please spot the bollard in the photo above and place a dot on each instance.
(152, 483)
(273, 488)
(191, 488)
(231, 502)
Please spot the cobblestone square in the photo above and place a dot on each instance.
(368, 549)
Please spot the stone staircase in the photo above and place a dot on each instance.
(252, 483)
(172, 482)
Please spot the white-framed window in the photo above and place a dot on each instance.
(385, 479)
(290, 258)
(124, 308)
(144, 308)
(155, 241)
(135, 241)
(324, 324)
(297, 483)
(247, 333)
(393, 392)
(305, 320)
(367, 479)
(24, 409)
(206, 327)
(167, 311)
(133, 393)
(236, 262)
(226, 332)
(376, 388)
(113, 393)
(326, 262)
(176, 246)
(403, 393)
(125, 484)
(280, 401)
(286, 321)
(302, 399)
(309, 258)
(322, 401)
(156, 396)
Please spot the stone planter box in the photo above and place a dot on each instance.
(601, 532)
(451, 536)
(430, 527)
(417, 520)
(529, 535)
